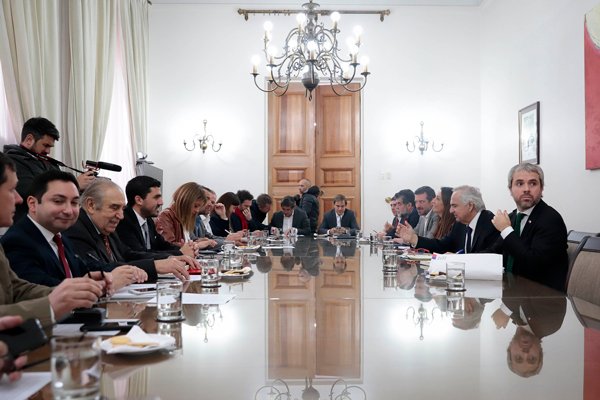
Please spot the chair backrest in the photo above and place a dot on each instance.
(574, 238)
(584, 277)
(587, 313)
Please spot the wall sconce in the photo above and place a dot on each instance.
(203, 141)
(423, 143)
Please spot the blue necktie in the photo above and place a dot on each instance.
(468, 247)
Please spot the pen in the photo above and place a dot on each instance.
(461, 251)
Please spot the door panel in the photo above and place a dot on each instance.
(318, 140)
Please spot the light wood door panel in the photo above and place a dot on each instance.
(318, 140)
(337, 145)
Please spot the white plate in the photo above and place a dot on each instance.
(235, 276)
(248, 248)
(138, 335)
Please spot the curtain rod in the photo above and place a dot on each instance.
(246, 12)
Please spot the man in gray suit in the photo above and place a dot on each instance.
(428, 220)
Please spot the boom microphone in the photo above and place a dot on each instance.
(103, 165)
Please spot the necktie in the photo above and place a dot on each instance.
(517, 228)
(338, 220)
(111, 256)
(61, 255)
(468, 247)
(146, 233)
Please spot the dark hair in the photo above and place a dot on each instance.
(264, 264)
(446, 219)
(263, 200)
(244, 195)
(340, 197)
(39, 185)
(139, 186)
(288, 201)
(315, 191)
(209, 190)
(5, 163)
(406, 196)
(228, 199)
(426, 190)
(39, 127)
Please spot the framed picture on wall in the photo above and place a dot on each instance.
(529, 134)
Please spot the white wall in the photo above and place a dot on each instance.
(425, 67)
(533, 51)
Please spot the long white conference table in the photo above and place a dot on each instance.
(323, 320)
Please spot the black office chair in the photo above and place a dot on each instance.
(584, 273)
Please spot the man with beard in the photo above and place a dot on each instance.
(534, 236)
(428, 220)
(137, 229)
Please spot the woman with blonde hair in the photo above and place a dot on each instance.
(177, 222)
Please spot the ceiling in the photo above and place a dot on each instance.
(328, 3)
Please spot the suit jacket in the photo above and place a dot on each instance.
(19, 297)
(32, 258)
(310, 205)
(130, 232)
(483, 238)
(412, 218)
(540, 252)
(348, 221)
(258, 217)
(426, 229)
(544, 315)
(299, 221)
(89, 246)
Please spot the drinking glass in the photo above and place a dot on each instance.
(228, 246)
(389, 259)
(168, 301)
(76, 367)
(455, 276)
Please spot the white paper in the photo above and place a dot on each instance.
(199, 298)
(482, 266)
(29, 384)
(484, 289)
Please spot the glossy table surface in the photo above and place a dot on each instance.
(327, 322)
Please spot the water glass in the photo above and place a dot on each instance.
(235, 259)
(455, 276)
(169, 301)
(76, 367)
(294, 232)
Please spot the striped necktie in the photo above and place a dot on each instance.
(61, 255)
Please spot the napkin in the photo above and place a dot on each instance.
(137, 335)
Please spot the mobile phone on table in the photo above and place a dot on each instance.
(109, 326)
(23, 338)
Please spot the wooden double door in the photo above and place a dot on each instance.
(319, 140)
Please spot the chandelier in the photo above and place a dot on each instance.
(312, 52)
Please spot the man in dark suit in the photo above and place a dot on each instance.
(473, 232)
(534, 236)
(309, 203)
(404, 211)
(137, 229)
(94, 235)
(28, 300)
(289, 217)
(260, 209)
(339, 220)
(35, 247)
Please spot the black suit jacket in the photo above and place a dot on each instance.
(299, 221)
(130, 233)
(89, 246)
(483, 238)
(348, 221)
(540, 252)
(258, 217)
(412, 218)
(32, 257)
(310, 205)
